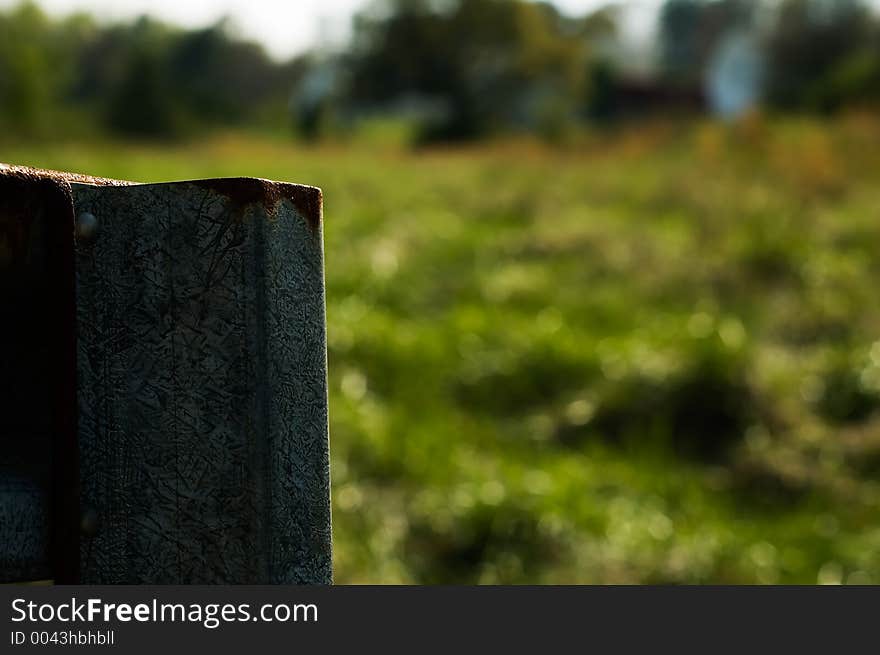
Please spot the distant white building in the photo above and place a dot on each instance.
(317, 86)
(735, 75)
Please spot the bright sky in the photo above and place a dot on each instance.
(285, 27)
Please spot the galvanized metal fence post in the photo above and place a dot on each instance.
(163, 416)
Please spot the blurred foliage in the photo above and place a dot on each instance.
(823, 55)
(144, 78)
(650, 356)
(453, 69)
(488, 64)
(690, 30)
(32, 65)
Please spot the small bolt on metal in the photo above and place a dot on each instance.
(86, 225)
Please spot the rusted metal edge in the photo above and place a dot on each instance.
(26, 173)
(240, 191)
(243, 191)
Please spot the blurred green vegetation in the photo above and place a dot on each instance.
(649, 356)
(457, 70)
(61, 76)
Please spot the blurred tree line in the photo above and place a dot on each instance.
(458, 68)
(143, 78)
(817, 55)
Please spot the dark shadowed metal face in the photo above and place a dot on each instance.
(36, 372)
(164, 382)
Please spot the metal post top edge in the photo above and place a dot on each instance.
(239, 190)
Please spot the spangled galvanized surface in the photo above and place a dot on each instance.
(202, 384)
(25, 547)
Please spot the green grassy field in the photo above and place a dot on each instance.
(650, 357)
